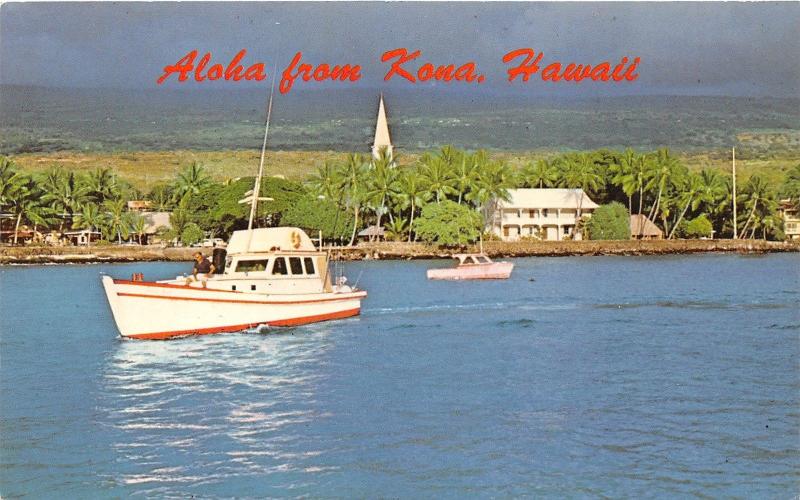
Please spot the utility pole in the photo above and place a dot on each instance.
(733, 156)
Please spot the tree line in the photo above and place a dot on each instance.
(429, 200)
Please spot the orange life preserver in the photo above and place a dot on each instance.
(296, 239)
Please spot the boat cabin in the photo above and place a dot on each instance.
(471, 259)
(273, 260)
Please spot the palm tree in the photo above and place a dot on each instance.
(492, 186)
(178, 220)
(660, 172)
(690, 192)
(352, 179)
(24, 200)
(102, 185)
(437, 176)
(541, 174)
(381, 184)
(138, 226)
(580, 173)
(628, 176)
(162, 197)
(326, 182)
(412, 194)
(464, 175)
(791, 186)
(190, 181)
(88, 218)
(117, 221)
(758, 197)
(396, 229)
(64, 194)
(7, 182)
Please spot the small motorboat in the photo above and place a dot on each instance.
(473, 266)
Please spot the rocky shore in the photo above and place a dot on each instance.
(398, 251)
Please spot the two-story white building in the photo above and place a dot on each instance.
(791, 219)
(546, 214)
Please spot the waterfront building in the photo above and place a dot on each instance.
(372, 233)
(155, 222)
(139, 205)
(643, 228)
(382, 138)
(791, 219)
(545, 214)
(83, 237)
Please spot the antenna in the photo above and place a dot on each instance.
(733, 157)
(253, 198)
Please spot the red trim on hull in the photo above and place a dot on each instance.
(200, 299)
(168, 285)
(238, 328)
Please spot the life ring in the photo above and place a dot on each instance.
(296, 239)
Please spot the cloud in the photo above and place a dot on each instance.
(702, 48)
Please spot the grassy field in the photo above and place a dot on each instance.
(143, 169)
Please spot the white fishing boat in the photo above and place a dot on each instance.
(473, 266)
(266, 276)
(271, 276)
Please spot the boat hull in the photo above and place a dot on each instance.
(149, 310)
(495, 270)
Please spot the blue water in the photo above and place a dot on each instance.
(598, 376)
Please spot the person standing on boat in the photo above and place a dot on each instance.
(202, 268)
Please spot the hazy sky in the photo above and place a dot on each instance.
(685, 48)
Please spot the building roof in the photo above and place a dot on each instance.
(154, 220)
(82, 231)
(548, 198)
(372, 231)
(642, 226)
(139, 204)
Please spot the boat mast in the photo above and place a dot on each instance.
(254, 199)
(733, 158)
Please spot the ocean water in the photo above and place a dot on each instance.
(578, 377)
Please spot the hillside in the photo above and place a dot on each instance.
(41, 120)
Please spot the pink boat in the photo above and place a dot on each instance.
(473, 266)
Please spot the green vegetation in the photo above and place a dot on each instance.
(426, 197)
(191, 234)
(448, 224)
(314, 215)
(609, 222)
(699, 227)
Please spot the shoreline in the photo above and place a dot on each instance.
(37, 255)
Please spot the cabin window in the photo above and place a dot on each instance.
(279, 267)
(309, 262)
(250, 266)
(253, 288)
(296, 264)
(233, 287)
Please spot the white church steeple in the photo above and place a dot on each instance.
(382, 139)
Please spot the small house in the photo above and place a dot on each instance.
(83, 237)
(139, 205)
(154, 221)
(372, 233)
(643, 228)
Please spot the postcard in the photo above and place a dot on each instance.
(399, 249)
